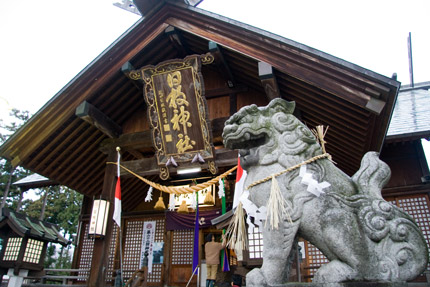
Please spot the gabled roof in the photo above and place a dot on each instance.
(411, 116)
(354, 102)
(34, 181)
(23, 226)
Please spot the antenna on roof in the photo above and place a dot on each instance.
(411, 68)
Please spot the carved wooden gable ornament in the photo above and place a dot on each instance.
(177, 111)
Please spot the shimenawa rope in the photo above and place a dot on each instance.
(179, 190)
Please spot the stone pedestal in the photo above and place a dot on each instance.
(348, 284)
(16, 280)
(203, 273)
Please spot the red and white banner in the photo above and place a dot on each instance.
(240, 182)
(117, 207)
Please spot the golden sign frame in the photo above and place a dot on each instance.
(153, 93)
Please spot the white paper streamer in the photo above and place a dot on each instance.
(193, 201)
(221, 189)
(314, 186)
(198, 158)
(259, 214)
(149, 194)
(172, 202)
(171, 161)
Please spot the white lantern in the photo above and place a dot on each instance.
(99, 218)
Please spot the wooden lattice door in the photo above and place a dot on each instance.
(132, 248)
(181, 258)
(86, 249)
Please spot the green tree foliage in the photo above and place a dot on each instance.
(7, 129)
(61, 207)
(8, 173)
(50, 256)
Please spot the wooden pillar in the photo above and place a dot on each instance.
(167, 259)
(268, 80)
(100, 257)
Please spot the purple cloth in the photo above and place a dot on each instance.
(225, 264)
(196, 241)
(178, 221)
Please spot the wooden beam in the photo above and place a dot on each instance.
(142, 140)
(94, 116)
(222, 64)
(148, 166)
(226, 72)
(219, 92)
(126, 69)
(177, 41)
(330, 74)
(268, 80)
(135, 141)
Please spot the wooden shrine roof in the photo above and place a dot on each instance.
(24, 225)
(354, 102)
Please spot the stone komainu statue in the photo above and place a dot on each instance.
(364, 237)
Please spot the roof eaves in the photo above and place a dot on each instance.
(315, 52)
(6, 149)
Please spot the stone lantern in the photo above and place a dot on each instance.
(24, 242)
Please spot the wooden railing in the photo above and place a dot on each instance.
(138, 278)
(58, 278)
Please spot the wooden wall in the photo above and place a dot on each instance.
(218, 106)
(407, 162)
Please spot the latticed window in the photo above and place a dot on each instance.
(87, 247)
(315, 258)
(33, 251)
(12, 249)
(255, 240)
(182, 249)
(133, 244)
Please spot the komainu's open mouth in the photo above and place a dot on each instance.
(243, 139)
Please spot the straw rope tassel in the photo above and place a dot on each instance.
(209, 199)
(276, 206)
(179, 190)
(183, 208)
(236, 231)
(159, 205)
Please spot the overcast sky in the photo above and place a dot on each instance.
(45, 43)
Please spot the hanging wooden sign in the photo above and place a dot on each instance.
(177, 111)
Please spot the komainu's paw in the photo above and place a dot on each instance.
(334, 272)
(255, 278)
